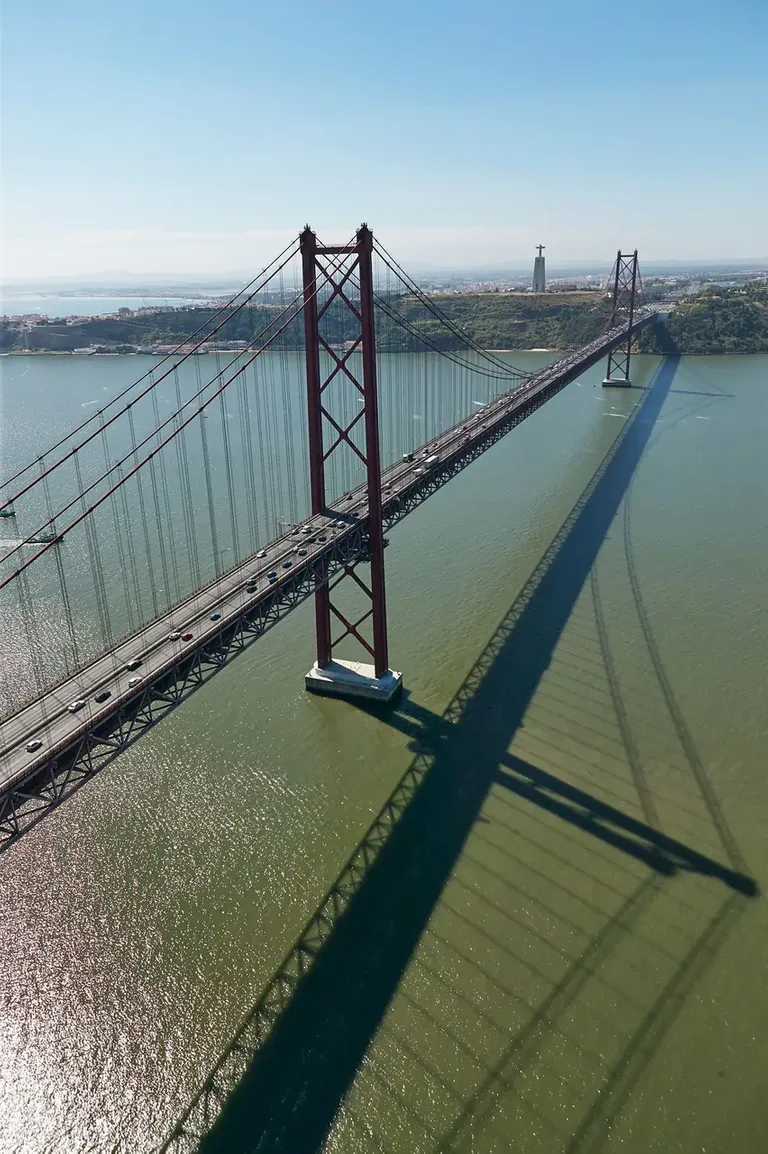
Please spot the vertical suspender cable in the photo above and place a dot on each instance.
(260, 428)
(248, 450)
(209, 492)
(34, 647)
(290, 457)
(128, 521)
(186, 489)
(144, 522)
(230, 482)
(95, 559)
(160, 533)
(166, 503)
(302, 432)
(273, 454)
(62, 581)
(67, 609)
(118, 535)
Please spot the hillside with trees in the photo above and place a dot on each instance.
(495, 320)
(717, 320)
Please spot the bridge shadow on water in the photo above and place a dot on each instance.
(435, 871)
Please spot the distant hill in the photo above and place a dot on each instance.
(719, 320)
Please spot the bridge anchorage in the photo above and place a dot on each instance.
(622, 313)
(329, 370)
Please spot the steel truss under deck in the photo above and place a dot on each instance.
(90, 749)
(66, 770)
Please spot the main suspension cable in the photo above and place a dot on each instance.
(516, 375)
(154, 382)
(299, 300)
(429, 303)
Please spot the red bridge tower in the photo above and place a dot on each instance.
(346, 276)
(624, 288)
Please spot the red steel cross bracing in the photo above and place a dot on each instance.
(624, 289)
(337, 279)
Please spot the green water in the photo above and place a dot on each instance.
(229, 484)
(507, 966)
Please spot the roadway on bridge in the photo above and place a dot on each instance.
(49, 719)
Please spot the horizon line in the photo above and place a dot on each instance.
(85, 278)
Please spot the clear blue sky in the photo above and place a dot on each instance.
(181, 135)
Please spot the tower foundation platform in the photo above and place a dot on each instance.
(353, 679)
(617, 383)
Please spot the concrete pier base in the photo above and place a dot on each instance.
(617, 383)
(353, 679)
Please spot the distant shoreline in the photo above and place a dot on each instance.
(640, 352)
(716, 322)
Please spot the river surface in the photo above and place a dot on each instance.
(514, 958)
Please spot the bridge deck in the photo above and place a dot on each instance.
(171, 668)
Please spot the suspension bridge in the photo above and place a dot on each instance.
(192, 512)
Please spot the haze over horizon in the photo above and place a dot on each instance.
(463, 135)
(230, 278)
